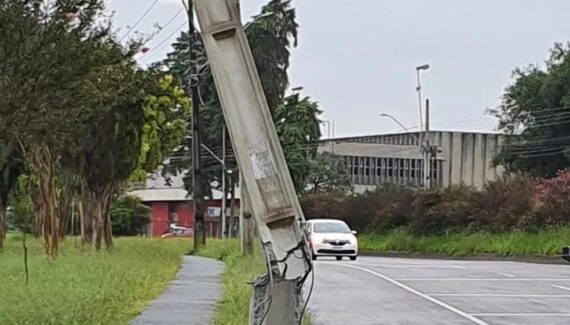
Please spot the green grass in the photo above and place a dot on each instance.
(234, 306)
(82, 286)
(545, 242)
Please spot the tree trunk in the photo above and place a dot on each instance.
(64, 212)
(87, 211)
(44, 168)
(2, 223)
(101, 224)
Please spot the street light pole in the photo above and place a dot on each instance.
(423, 137)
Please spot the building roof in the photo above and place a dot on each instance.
(404, 133)
(156, 189)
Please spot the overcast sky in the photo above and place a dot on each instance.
(357, 57)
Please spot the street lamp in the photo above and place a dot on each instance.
(297, 89)
(419, 91)
(401, 125)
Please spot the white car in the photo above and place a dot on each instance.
(330, 237)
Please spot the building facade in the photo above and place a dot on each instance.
(462, 158)
(171, 205)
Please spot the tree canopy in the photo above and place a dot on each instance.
(272, 35)
(78, 111)
(535, 109)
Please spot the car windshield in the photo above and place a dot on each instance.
(331, 227)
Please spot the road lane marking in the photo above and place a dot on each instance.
(403, 266)
(520, 315)
(485, 279)
(417, 293)
(508, 275)
(494, 295)
(561, 287)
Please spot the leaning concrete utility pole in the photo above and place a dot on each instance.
(277, 298)
(246, 221)
(197, 192)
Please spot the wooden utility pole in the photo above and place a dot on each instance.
(197, 191)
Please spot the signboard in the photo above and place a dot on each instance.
(213, 212)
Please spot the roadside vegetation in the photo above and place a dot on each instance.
(546, 242)
(85, 287)
(233, 309)
(511, 216)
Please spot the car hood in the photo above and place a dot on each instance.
(334, 236)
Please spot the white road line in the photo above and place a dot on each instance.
(508, 275)
(419, 294)
(484, 279)
(561, 287)
(403, 266)
(521, 315)
(494, 295)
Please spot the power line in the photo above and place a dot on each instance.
(170, 21)
(140, 19)
(167, 38)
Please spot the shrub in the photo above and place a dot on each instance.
(442, 210)
(392, 207)
(502, 205)
(323, 205)
(129, 216)
(510, 203)
(553, 207)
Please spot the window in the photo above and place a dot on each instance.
(331, 227)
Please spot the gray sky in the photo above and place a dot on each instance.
(357, 57)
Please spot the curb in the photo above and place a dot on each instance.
(539, 259)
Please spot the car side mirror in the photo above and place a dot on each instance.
(354, 232)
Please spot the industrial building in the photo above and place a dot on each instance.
(461, 158)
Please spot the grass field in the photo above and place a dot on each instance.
(545, 242)
(84, 287)
(234, 307)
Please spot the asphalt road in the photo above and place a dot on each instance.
(376, 290)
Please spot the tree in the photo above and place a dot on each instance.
(143, 120)
(327, 174)
(48, 50)
(298, 128)
(271, 35)
(535, 109)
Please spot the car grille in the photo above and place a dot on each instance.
(337, 242)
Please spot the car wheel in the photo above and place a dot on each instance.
(339, 258)
(353, 258)
(314, 256)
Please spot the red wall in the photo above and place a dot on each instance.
(184, 211)
(159, 218)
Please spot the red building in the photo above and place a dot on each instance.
(170, 205)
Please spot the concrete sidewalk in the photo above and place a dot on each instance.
(190, 299)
